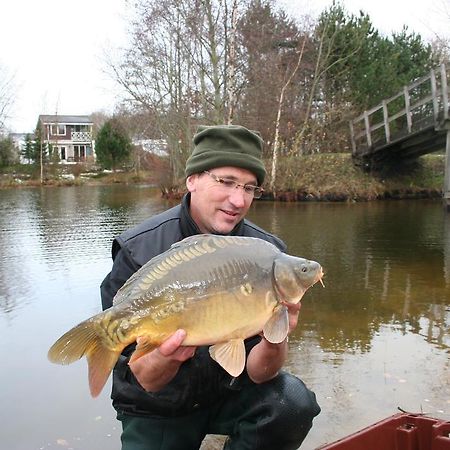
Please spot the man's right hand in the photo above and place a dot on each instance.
(157, 368)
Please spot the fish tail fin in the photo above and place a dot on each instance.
(80, 341)
(74, 344)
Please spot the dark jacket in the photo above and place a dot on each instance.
(200, 381)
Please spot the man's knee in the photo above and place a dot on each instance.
(277, 414)
(297, 397)
(289, 407)
(295, 403)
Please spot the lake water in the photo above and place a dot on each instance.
(376, 338)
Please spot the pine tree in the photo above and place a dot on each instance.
(28, 151)
(113, 146)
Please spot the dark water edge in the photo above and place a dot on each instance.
(397, 194)
(327, 177)
(406, 193)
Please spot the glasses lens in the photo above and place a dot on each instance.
(254, 191)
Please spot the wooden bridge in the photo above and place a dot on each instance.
(410, 124)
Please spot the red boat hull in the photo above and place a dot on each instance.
(399, 432)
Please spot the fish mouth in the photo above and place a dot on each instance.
(319, 277)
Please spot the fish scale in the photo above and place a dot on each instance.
(219, 289)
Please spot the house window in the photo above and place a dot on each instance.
(79, 152)
(81, 128)
(59, 151)
(58, 129)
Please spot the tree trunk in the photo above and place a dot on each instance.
(278, 119)
(231, 78)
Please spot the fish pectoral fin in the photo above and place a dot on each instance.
(100, 362)
(144, 346)
(230, 355)
(277, 327)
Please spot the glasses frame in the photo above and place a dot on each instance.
(229, 184)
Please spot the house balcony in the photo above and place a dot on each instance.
(81, 136)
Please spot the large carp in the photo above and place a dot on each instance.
(220, 289)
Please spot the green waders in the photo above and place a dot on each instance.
(273, 415)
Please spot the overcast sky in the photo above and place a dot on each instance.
(55, 50)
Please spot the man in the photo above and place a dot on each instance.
(170, 398)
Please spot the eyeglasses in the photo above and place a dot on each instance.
(229, 184)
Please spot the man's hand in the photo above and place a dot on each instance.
(171, 347)
(293, 311)
(157, 368)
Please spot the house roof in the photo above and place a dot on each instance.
(64, 119)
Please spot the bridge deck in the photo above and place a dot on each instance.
(409, 124)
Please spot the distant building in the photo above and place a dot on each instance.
(70, 136)
(156, 146)
(19, 140)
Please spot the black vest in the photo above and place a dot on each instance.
(200, 381)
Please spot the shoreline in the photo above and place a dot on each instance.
(329, 177)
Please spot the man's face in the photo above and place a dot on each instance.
(215, 208)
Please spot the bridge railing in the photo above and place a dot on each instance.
(423, 103)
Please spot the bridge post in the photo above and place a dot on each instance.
(444, 92)
(447, 172)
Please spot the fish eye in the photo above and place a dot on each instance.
(304, 269)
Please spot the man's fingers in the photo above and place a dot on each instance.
(293, 311)
(173, 343)
(293, 307)
(172, 347)
(184, 353)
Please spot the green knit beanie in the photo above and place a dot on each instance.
(226, 145)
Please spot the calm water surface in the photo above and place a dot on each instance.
(376, 338)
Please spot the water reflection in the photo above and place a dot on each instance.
(383, 263)
(375, 338)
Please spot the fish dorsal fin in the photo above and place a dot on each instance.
(191, 239)
(230, 355)
(277, 327)
(159, 267)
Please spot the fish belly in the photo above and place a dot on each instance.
(225, 317)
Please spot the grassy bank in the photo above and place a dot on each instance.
(334, 177)
(321, 177)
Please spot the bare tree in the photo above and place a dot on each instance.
(7, 94)
(323, 107)
(276, 140)
(441, 42)
(181, 67)
(231, 77)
